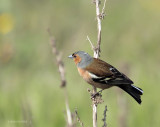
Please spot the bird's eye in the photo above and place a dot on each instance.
(74, 55)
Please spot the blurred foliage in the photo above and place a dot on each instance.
(6, 23)
(29, 80)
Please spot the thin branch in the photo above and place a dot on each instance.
(104, 119)
(69, 115)
(27, 113)
(60, 65)
(96, 55)
(58, 60)
(94, 109)
(90, 43)
(104, 5)
(97, 50)
(78, 118)
(103, 10)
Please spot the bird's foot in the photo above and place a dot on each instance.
(93, 95)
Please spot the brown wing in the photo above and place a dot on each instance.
(103, 72)
(100, 68)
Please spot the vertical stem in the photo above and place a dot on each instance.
(60, 65)
(94, 107)
(96, 55)
(69, 116)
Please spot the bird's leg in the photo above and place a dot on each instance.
(96, 94)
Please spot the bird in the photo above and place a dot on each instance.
(101, 74)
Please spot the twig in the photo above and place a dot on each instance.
(90, 43)
(69, 115)
(78, 118)
(103, 10)
(96, 55)
(27, 113)
(58, 60)
(62, 74)
(104, 119)
(104, 5)
(97, 51)
(94, 109)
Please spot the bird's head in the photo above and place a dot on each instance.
(81, 59)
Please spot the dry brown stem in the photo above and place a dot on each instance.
(27, 114)
(97, 51)
(104, 118)
(60, 65)
(78, 118)
(58, 60)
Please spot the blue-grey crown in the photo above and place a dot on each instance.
(86, 59)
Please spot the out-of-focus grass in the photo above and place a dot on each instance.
(29, 76)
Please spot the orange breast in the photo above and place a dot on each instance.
(84, 74)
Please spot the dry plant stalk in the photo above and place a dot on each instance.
(63, 80)
(104, 119)
(96, 49)
(78, 118)
(27, 114)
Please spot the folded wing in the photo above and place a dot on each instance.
(104, 73)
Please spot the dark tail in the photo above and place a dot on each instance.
(134, 91)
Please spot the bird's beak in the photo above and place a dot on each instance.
(70, 56)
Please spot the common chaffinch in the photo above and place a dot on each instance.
(103, 75)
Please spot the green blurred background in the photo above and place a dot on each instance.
(30, 93)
